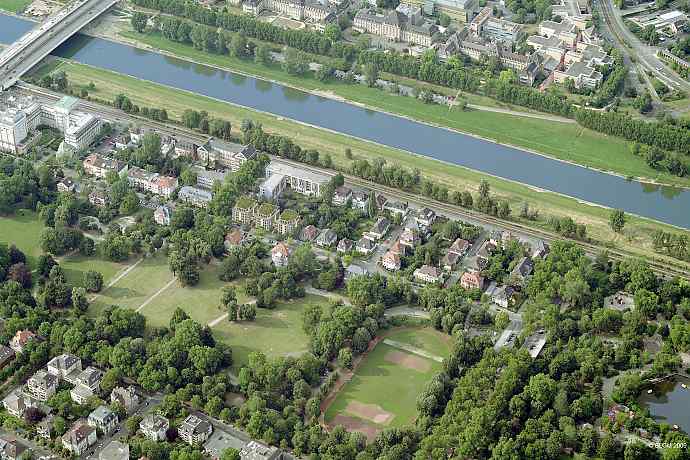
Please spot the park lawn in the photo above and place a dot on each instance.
(23, 229)
(565, 141)
(133, 289)
(636, 238)
(14, 6)
(276, 332)
(391, 386)
(201, 302)
(76, 265)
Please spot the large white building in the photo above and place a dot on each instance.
(280, 176)
(404, 24)
(20, 115)
(313, 10)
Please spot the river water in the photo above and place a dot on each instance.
(666, 204)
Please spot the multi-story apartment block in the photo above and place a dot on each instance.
(41, 386)
(151, 182)
(280, 176)
(195, 196)
(243, 211)
(65, 367)
(485, 25)
(193, 430)
(155, 427)
(104, 419)
(265, 216)
(288, 222)
(405, 24)
(98, 166)
(228, 154)
(79, 438)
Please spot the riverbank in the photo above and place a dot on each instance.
(636, 237)
(534, 132)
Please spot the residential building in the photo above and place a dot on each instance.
(79, 438)
(485, 25)
(227, 154)
(185, 148)
(128, 397)
(404, 24)
(428, 274)
(20, 339)
(565, 31)
(163, 214)
(81, 394)
(98, 166)
(396, 207)
(90, 377)
(155, 427)
(208, 178)
(342, 195)
(115, 450)
(280, 254)
(243, 211)
(45, 427)
(233, 239)
(326, 238)
(194, 430)
(41, 386)
(391, 261)
(472, 280)
(398, 248)
(220, 441)
(255, 450)
(104, 419)
(194, 196)
(65, 366)
(66, 185)
(266, 216)
(582, 75)
(288, 222)
(360, 200)
(425, 217)
(309, 234)
(280, 176)
(459, 247)
(523, 268)
(379, 229)
(668, 22)
(6, 355)
(449, 261)
(10, 449)
(365, 246)
(345, 245)
(540, 250)
(381, 202)
(99, 198)
(151, 182)
(16, 403)
(410, 237)
(503, 296)
(300, 10)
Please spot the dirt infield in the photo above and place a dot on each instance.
(354, 424)
(408, 361)
(372, 412)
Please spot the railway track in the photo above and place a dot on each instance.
(660, 267)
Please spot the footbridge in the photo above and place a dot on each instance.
(39, 42)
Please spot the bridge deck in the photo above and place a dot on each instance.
(39, 42)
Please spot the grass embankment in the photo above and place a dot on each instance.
(635, 238)
(14, 6)
(392, 386)
(564, 141)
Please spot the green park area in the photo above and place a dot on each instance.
(636, 238)
(565, 141)
(24, 230)
(383, 390)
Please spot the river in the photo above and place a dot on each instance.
(666, 204)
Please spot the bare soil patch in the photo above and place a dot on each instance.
(371, 412)
(408, 361)
(354, 424)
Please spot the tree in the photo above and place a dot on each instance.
(332, 32)
(371, 74)
(238, 46)
(93, 281)
(617, 220)
(139, 21)
(345, 357)
(79, 300)
(262, 55)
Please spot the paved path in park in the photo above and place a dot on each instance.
(117, 278)
(156, 294)
(414, 350)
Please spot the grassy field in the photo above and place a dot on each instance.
(568, 142)
(636, 237)
(391, 386)
(276, 332)
(133, 289)
(76, 265)
(14, 6)
(23, 229)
